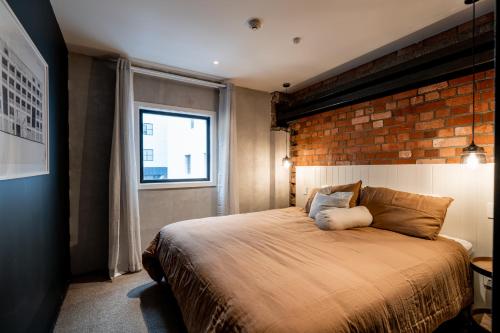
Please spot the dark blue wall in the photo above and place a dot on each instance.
(34, 241)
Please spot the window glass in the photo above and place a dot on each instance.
(180, 143)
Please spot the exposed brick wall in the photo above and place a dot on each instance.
(427, 125)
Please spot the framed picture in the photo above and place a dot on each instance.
(24, 109)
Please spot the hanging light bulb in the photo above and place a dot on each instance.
(472, 155)
(286, 161)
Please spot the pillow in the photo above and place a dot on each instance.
(324, 201)
(407, 213)
(354, 188)
(343, 218)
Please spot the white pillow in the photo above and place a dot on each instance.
(343, 218)
(324, 201)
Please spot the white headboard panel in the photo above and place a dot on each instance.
(472, 190)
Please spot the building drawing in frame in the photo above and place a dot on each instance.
(24, 126)
(21, 101)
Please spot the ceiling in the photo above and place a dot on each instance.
(191, 34)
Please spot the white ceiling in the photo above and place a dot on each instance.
(190, 34)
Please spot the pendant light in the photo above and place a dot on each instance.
(286, 162)
(473, 155)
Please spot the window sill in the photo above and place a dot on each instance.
(180, 185)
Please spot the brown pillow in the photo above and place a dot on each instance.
(354, 188)
(407, 213)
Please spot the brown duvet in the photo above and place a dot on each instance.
(275, 271)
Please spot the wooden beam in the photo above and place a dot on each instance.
(446, 63)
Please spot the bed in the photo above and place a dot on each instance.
(275, 271)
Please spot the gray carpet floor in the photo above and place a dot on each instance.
(131, 303)
(134, 303)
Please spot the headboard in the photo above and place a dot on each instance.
(472, 190)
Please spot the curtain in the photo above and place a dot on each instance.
(124, 231)
(227, 176)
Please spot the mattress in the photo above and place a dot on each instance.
(466, 244)
(275, 271)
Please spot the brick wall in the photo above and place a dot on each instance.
(430, 124)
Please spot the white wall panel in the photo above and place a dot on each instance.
(471, 190)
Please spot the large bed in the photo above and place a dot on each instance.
(275, 271)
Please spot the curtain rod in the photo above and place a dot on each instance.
(175, 77)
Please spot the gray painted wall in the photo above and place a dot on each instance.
(91, 105)
(164, 206)
(263, 182)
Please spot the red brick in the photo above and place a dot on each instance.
(406, 94)
(431, 96)
(437, 123)
(427, 115)
(405, 154)
(359, 113)
(459, 121)
(450, 142)
(393, 146)
(446, 152)
(360, 120)
(484, 139)
(448, 92)
(460, 100)
(461, 109)
(403, 137)
(459, 131)
(461, 80)
(445, 132)
(445, 112)
(431, 161)
(378, 124)
(431, 106)
(390, 106)
(465, 89)
(418, 144)
(383, 115)
(403, 103)
(432, 87)
(484, 128)
(416, 100)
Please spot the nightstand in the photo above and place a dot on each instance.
(482, 317)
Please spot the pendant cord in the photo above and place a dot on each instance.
(473, 68)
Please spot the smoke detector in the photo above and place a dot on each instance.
(254, 23)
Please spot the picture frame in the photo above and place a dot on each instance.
(24, 102)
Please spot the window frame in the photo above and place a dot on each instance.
(210, 116)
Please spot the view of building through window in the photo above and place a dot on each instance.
(175, 147)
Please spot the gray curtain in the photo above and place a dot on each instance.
(227, 176)
(124, 224)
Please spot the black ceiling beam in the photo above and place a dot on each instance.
(443, 64)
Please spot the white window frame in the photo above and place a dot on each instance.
(213, 146)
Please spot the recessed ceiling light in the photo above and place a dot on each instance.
(215, 62)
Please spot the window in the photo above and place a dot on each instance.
(187, 159)
(148, 154)
(147, 129)
(182, 146)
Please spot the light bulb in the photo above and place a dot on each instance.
(287, 163)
